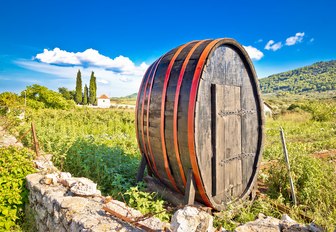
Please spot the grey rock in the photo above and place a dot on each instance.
(285, 217)
(191, 219)
(82, 186)
(296, 228)
(53, 177)
(261, 216)
(89, 222)
(41, 212)
(74, 204)
(41, 227)
(64, 175)
(315, 228)
(268, 224)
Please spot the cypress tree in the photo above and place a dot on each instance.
(93, 90)
(86, 95)
(79, 94)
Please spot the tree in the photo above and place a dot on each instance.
(86, 95)
(93, 90)
(67, 94)
(10, 100)
(41, 97)
(79, 96)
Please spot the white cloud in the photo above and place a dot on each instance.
(311, 40)
(102, 81)
(295, 39)
(259, 41)
(254, 53)
(90, 58)
(108, 81)
(117, 76)
(271, 45)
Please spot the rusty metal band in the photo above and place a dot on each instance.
(147, 125)
(142, 121)
(162, 125)
(145, 77)
(176, 101)
(191, 121)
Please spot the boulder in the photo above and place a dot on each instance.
(84, 187)
(268, 224)
(191, 219)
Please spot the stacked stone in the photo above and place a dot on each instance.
(63, 203)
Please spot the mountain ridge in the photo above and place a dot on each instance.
(317, 77)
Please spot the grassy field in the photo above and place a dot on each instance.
(101, 144)
(124, 100)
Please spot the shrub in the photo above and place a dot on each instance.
(9, 102)
(147, 203)
(41, 97)
(315, 186)
(15, 164)
(112, 169)
(321, 112)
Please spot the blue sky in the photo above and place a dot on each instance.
(46, 42)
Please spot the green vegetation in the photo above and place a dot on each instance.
(309, 129)
(15, 164)
(127, 100)
(10, 100)
(67, 94)
(320, 76)
(79, 94)
(96, 143)
(132, 96)
(93, 90)
(147, 203)
(39, 97)
(85, 95)
(245, 212)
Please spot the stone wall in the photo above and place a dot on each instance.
(64, 203)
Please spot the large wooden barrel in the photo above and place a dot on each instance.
(199, 110)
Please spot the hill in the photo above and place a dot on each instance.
(126, 100)
(134, 96)
(320, 77)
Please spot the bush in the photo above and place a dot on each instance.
(15, 164)
(315, 186)
(321, 112)
(41, 97)
(9, 102)
(147, 203)
(112, 169)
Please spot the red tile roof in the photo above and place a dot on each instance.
(103, 97)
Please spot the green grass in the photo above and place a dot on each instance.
(303, 135)
(308, 129)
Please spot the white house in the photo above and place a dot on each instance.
(103, 101)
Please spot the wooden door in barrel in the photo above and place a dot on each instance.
(228, 125)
